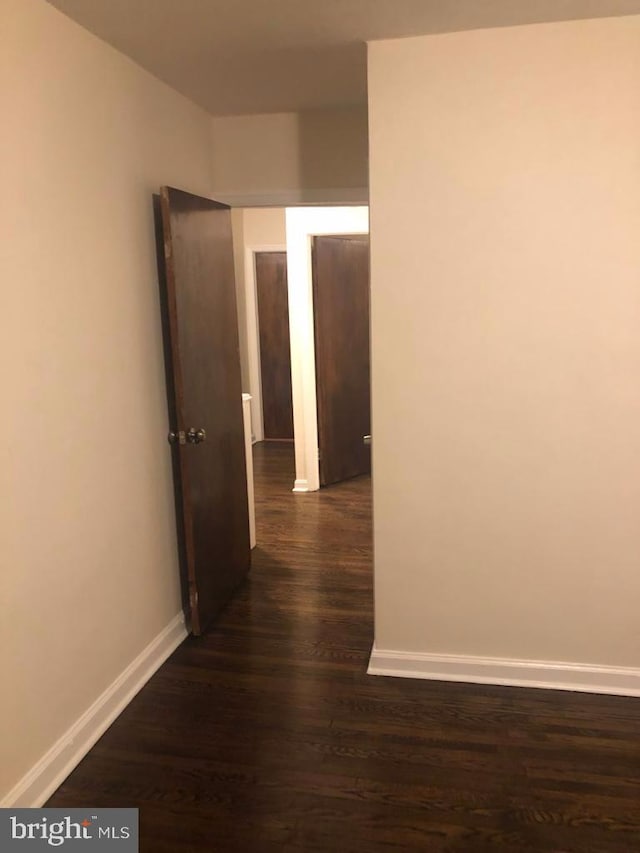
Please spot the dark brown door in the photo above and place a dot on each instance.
(341, 317)
(205, 401)
(275, 353)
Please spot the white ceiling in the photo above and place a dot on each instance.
(251, 56)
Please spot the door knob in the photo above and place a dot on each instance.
(196, 436)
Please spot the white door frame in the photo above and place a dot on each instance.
(253, 332)
(304, 223)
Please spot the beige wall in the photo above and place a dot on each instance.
(505, 214)
(287, 158)
(89, 569)
(264, 226)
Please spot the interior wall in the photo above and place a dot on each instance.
(264, 226)
(89, 564)
(505, 214)
(319, 156)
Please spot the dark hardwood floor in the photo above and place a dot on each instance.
(267, 734)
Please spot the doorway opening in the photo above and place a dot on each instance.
(210, 439)
(329, 360)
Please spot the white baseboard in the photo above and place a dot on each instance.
(553, 675)
(301, 486)
(52, 769)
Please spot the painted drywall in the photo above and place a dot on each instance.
(264, 226)
(290, 158)
(254, 229)
(89, 565)
(505, 214)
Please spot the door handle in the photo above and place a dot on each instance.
(196, 436)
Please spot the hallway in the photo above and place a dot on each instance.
(268, 734)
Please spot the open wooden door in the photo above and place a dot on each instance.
(275, 350)
(205, 401)
(341, 320)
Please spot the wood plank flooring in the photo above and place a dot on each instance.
(268, 735)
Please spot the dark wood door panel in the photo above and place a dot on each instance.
(206, 394)
(275, 354)
(341, 320)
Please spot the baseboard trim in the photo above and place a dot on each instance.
(301, 486)
(550, 675)
(52, 769)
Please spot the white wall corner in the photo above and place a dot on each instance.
(39, 783)
(550, 675)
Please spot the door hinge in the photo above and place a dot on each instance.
(179, 437)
